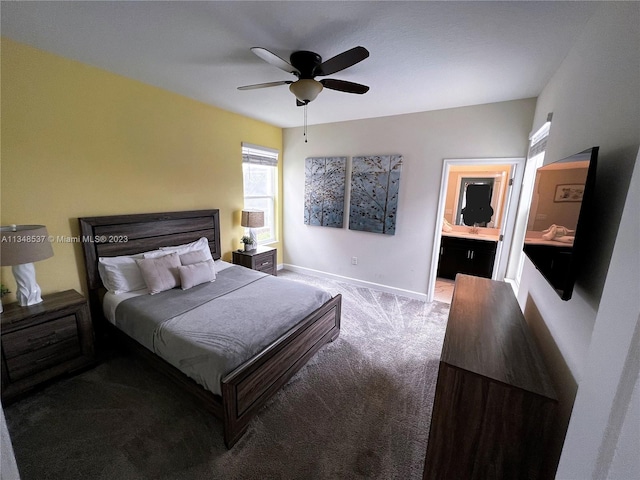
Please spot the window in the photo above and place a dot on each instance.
(260, 174)
(535, 157)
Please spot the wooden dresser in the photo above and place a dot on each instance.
(494, 406)
(43, 341)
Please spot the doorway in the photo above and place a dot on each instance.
(505, 176)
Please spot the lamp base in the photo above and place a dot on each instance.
(254, 237)
(27, 290)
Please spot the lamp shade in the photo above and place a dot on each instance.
(252, 218)
(20, 244)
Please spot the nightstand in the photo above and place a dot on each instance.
(43, 341)
(262, 259)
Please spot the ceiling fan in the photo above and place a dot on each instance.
(306, 66)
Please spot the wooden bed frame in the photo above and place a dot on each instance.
(244, 390)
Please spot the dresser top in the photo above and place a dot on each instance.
(487, 334)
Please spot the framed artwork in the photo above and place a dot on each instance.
(375, 184)
(569, 193)
(324, 184)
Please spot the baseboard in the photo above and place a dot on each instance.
(354, 281)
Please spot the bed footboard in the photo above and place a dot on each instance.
(249, 386)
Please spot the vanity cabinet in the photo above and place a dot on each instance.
(466, 255)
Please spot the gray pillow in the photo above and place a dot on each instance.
(195, 256)
(160, 273)
(196, 273)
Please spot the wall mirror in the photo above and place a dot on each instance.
(480, 192)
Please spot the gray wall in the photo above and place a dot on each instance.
(400, 262)
(595, 101)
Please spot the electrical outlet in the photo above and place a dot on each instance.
(354, 260)
(541, 216)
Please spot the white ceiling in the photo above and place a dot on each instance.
(423, 55)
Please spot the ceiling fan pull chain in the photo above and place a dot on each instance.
(305, 122)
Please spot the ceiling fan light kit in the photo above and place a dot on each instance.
(306, 89)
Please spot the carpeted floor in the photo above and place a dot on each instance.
(359, 409)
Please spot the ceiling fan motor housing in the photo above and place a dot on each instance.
(306, 63)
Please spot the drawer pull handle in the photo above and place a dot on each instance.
(44, 337)
(45, 359)
(264, 263)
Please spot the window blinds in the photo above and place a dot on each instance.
(256, 155)
(538, 147)
(538, 141)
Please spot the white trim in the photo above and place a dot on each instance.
(515, 285)
(353, 281)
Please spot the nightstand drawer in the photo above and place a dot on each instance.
(32, 349)
(265, 263)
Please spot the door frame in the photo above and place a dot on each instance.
(510, 211)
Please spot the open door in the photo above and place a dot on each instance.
(504, 175)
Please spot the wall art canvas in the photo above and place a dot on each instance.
(324, 184)
(375, 184)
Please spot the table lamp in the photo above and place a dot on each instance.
(20, 246)
(252, 219)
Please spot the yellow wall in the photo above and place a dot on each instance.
(79, 141)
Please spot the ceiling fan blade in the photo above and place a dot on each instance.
(342, 61)
(274, 60)
(265, 85)
(344, 86)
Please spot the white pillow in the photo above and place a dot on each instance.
(196, 273)
(201, 244)
(160, 273)
(121, 274)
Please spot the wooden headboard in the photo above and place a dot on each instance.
(114, 235)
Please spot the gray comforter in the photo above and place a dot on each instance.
(210, 329)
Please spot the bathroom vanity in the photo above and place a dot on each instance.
(464, 252)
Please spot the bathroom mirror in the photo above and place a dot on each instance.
(488, 185)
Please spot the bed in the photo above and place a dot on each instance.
(262, 365)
